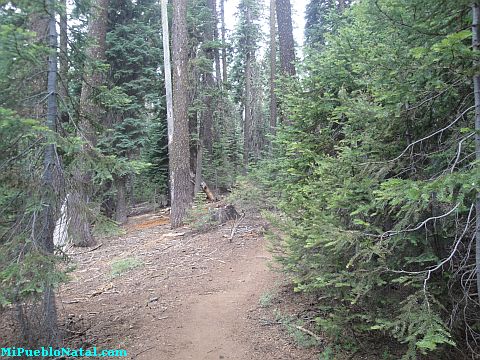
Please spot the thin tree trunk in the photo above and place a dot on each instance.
(273, 68)
(168, 69)
(224, 49)
(63, 88)
(218, 75)
(247, 126)
(121, 202)
(206, 125)
(341, 6)
(49, 316)
(89, 111)
(198, 170)
(178, 137)
(476, 85)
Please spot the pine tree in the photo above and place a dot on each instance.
(178, 139)
(91, 114)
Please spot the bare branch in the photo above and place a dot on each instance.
(440, 131)
(393, 233)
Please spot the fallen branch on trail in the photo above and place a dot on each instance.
(312, 334)
(235, 226)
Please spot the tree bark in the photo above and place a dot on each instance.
(121, 210)
(49, 316)
(89, 111)
(224, 49)
(285, 37)
(168, 68)
(218, 74)
(178, 140)
(206, 125)
(198, 169)
(273, 68)
(248, 116)
(63, 84)
(476, 86)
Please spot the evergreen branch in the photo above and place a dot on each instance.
(443, 262)
(440, 131)
(416, 106)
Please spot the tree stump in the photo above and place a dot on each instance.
(223, 214)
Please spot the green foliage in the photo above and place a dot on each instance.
(122, 266)
(27, 266)
(267, 298)
(199, 217)
(352, 188)
(106, 227)
(301, 338)
(25, 280)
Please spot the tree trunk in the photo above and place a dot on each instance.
(273, 68)
(48, 324)
(206, 125)
(178, 139)
(476, 86)
(248, 116)
(213, 8)
(198, 170)
(89, 108)
(63, 83)
(89, 111)
(121, 201)
(285, 37)
(224, 49)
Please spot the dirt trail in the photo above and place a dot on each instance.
(187, 296)
(215, 325)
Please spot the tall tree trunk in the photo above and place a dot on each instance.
(273, 68)
(476, 86)
(341, 6)
(206, 125)
(89, 111)
(248, 116)
(285, 37)
(49, 315)
(63, 84)
(224, 49)
(178, 136)
(38, 23)
(286, 45)
(213, 8)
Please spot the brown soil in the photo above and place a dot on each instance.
(189, 296)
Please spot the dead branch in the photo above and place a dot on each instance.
(440, 131)
(312, 334)
(423, 223)
(235, 225)
(208, 192)
(438, 266)
(89, 250)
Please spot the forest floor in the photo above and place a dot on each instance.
(179, 295)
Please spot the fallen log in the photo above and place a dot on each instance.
(208, 192)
